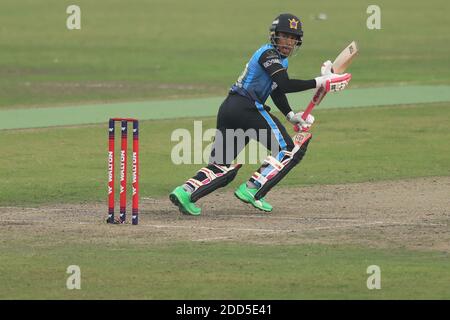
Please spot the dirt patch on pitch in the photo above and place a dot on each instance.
(411, 214)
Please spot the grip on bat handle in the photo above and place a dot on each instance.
(297, 128)
(305, 115)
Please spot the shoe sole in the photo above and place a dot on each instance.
(249, 202)
(174, 199)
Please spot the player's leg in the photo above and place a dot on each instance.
(206, 180)
(285, 156)
(220, 171)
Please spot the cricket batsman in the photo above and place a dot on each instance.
(244, 109)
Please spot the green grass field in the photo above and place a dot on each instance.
(362, 144)
(223, 271)
(140, 50)
(171, 49)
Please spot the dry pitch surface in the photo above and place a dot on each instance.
(410, 214)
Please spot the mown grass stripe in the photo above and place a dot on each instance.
(170, 109)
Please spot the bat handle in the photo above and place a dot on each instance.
(297, 129)
(308, 110)
(305, 115)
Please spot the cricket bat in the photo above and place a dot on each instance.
(345, 58)
(340, 64)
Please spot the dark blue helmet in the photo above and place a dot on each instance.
(286, 23)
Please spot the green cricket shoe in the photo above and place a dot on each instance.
(247, 195)
(182, 199)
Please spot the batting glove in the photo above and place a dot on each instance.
(327, 68)
(296, 119)
(333, 82)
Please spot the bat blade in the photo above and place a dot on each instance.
(345, 58)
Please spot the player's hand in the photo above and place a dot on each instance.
(333, 82)
(327, 68)
(297, 119)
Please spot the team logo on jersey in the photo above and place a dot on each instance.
(270, 62)
(293, 24)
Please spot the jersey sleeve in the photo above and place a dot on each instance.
(270, 61)
(287, 85)
(281, 101)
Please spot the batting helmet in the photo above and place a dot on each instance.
(287, 23)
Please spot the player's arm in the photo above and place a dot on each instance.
(329, 80)
(271, 62)
(281, 101)
(287, 85)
